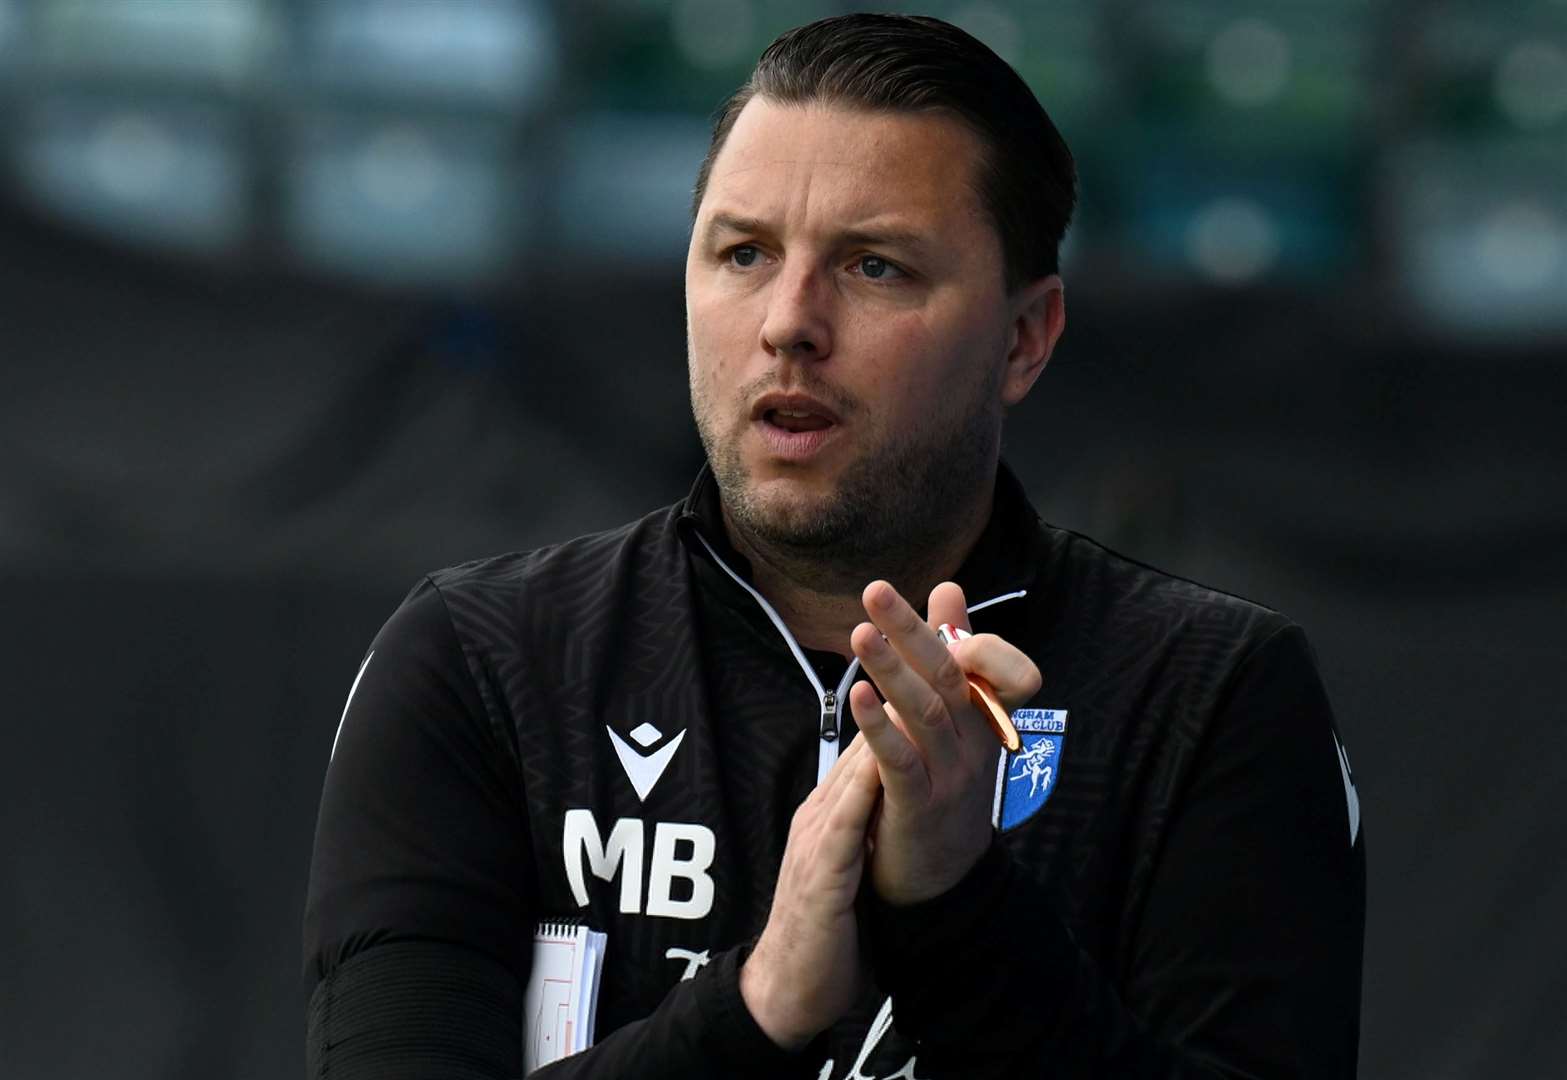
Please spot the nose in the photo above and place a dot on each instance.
(798, 323)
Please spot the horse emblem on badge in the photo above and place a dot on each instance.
(1026, 777)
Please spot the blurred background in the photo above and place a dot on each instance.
(299, 300)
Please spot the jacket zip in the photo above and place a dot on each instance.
(829, 716)
(832, 700)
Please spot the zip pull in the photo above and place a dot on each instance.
(829, 717)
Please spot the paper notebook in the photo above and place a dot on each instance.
(561, 1000)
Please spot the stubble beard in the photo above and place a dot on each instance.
(892, 513)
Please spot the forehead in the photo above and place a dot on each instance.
(843, 163)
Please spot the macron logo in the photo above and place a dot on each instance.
(643, 770)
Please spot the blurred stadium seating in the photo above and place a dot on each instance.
(1419, 152)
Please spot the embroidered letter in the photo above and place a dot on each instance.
(623, 853)
(667, 867)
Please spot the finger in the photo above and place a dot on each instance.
(897, 721)
(814, 820)
(848, 819)
(836, 776)
(916, 703)
(1009, 671)
(929, 716)
(898, 763)
(947, 605)
(919, 648)
(861, 782)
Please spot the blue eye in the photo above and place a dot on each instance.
(744, 255)
(876, 268)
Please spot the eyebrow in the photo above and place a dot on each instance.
(903, 238)
(733, 223)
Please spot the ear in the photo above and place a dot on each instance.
(1038, 317)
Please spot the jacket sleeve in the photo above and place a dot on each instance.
(701, 1028)
(419, 914)
(429, 1010)
(1246, 958)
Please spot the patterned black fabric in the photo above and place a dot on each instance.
(1188, 901)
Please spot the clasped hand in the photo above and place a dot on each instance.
(931, 757)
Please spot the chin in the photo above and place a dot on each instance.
(785, 475)
(791, 510)
(788, 494)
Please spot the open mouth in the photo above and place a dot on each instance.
(795, 420)
(794, 427)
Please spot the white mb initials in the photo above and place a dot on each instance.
(682, 853)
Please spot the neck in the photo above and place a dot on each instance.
(820, 603)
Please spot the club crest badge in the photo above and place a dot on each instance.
(1026, 776)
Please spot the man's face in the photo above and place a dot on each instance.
(848, 325)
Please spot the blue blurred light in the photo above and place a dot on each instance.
(1530, 83)
(1233, 239)
(1249, 62)
(10, 36)
(714, 33)
(159, 174)
(223, 42)
(1233, 221)
(1480, 235)
(399, 201)
(627, 183)
(495, 52)
(1306, 66)
(995, 24)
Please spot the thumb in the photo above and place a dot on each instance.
(947, 605)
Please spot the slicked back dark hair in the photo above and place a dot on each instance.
(1027, 180)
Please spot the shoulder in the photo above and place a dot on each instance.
(551, 619)
(1139, 608)
(575, 573)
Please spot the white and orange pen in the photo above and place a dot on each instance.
(983, 696)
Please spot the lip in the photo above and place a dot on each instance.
(794, 403)
(793, 446)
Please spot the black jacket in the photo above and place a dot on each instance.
(1177, 887)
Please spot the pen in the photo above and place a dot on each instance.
(983, 696)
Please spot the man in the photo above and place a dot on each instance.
(642, 729)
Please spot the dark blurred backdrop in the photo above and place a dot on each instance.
(301, 300)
